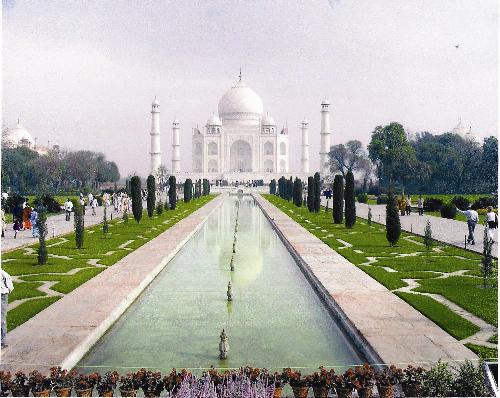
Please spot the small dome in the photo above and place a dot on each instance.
(268, 120)
(304, 121)
(155, 102)
(214, 121)
(240, 99)
(325, 102)
(17, 136)
(176, 121)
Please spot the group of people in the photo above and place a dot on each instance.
(472, 217)
(404, 205)
(24, 218)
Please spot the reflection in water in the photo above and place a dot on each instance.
(275, 319)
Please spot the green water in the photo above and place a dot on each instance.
(275, 320)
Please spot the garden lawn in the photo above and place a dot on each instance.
(371, 252)
(483, 352)
(70, 267)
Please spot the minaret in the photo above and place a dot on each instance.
(304, 161)
(155, 137)
(325, 139)
(176, 148)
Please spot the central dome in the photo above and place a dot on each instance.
(240, 99)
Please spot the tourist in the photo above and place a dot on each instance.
(82, 203)
(34, 220)
(4, 223)
(408, 205)
(420, 206)
(18, 226)
(26, 217)
(402, 205)
(492, 223)
(5, 288)
(472, 219)
(68, 207)
(94, 206)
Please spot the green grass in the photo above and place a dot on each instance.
(27, 310)
(493, 339)
(483, 352)
(441, 315)
(96, 246)
(372, 242)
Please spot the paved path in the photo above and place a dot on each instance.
(62, 333)
(443, 229)
(374, 317)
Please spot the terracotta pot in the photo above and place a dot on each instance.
(365, 392)
(44, 393)
(386, 391)
(300, 392)
(128, 393)
(344, 392)
(20, 391)
(63, 392)
(320, 392)
(277, 392)
(412, 390)
(84, 393)
(108, 393)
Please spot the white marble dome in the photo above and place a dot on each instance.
(240, 99)
(17, 136)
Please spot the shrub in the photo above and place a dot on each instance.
(487, 260)
(350, 203)
(438, 381)
(428, 237)
(460, 202)
(14, 200)
(362, 198)
(432, 204)
(172, 192)
(151, 198)
(135, 192)
(317, 192)
(448, 210)
(159, 207)
(42, 233)
(469, 381)
(382, 200)
(79, 226)
(48, 201)
(338, 199)
(484, 202)
(392, 222)
(105, 225)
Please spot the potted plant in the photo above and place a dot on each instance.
(386, 380)
(279, 380)
(173, 380)
(321, 382)
(150, 382)
(106, 384)
(39, 384)
(5, 383)
(84, 384)
(19, 386)
(412, 381)
(129, 385)
(346, 384)
(62, 381)
(300, 386)
(364, 375)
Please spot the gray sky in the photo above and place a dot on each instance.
(90, 69)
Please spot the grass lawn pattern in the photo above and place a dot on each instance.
(371, 252)
(68, 267)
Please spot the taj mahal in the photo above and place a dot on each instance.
(241, 142)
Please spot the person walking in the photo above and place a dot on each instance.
(4, 223)
(408, 205)
(90, 199)
(68, 206)
(492, 223)
(82, 203)
(6, 287)
(420, 206)
(94, 206)
(34, 220)
(18, 226)
(472, 219)
(402, 205)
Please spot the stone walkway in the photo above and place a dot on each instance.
(443, 229)
(374, 317)
(62, 333)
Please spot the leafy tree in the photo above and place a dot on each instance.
(151, 198)
(338, 199)
(79, 226)
(428, 241)
(188, 190)
(350, 200)
(392, 222)
(349, 157)
(317, 192)
(310, 193)
(42, 233)
(105, 225)
(135, 193)
(172, 192)
(489, 164)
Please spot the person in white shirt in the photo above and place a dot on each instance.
(420, 206)
(94, 206)
(492, 223)
(68, 207)
(6, 286)
(91, 199)
(472, 219)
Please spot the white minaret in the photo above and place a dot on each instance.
(176, 148)
(325, 139)
(155, 137)
(304, 161)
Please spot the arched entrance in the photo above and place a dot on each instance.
(240, 156)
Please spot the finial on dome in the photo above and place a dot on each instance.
(240, 74)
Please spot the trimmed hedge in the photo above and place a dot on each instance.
(362, 198)
(382, 200)
(432, 204)
(448, 210)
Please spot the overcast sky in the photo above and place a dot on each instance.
(85, 72)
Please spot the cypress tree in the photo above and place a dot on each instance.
(41, 223)
(188, 190)
(105, 225)
(297, 192)
(317, 192)
(310, 193)
(428, 237)
(392, 223)
(338, 199)
(159, 207)
(272, 187)
(79, 226)
(172, 192)
(289, 190)
(135, 193)
(151, 198)
(350, 201)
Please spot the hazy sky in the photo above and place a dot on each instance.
(90, 69)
